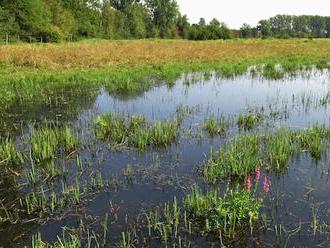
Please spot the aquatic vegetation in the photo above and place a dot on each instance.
(235, 210)
(239, 158)
(111, 127)
(278, 149)
(249, 120)
(72, 241)
(163, 133)
(274, 71)
(159, 134)
(247, 152)
(43, 69)
(128, 240)
(214, 127)
(312, 140)
(8, 153)
(46, 143)
(135, 131)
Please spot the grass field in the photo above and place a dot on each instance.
(113, 54)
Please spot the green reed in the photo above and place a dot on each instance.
(238, 158)
(242, 155)
(67, 241)
(9, 155)
(215, 127)
(249, 120)
(135, 131)
(234, 211)
(46, 143)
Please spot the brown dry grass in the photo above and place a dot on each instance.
(105, 54)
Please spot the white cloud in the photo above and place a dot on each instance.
(237, 12)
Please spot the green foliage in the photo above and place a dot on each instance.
(286, 26)
(135, 131)
(46, 143)
(72, 241)
(312, 140)
(241, 156)
(164, 14)
(250, 120)
(9, 156)
(215, 30)
(31, 17)
(278, 150)
(214, 127)
(57, 20)
(112, 128)
(232, 212)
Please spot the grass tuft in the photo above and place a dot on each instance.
(46, 143)
(234, 211)
(135, 131)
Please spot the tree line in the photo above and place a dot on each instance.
(56, 20)
(289, 26)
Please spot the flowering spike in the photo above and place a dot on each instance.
(266, 184)
(258, 171)
(248, 183)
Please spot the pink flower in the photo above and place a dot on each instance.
(248, 183)
(266, 184)
(258, 172)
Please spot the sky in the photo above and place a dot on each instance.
(236, 12)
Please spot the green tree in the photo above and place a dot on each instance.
(108, 20)
(164, 15)
(138, 20)
(183, 26)
(264, 28)
(245, 31)
(327, 27)
(8, 24)
(87, 14)
(30, 16)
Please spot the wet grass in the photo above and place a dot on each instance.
(72, 241)
(135, 131)
(235, 210)
(9, 156)
(249, 120)
(243, 154)
(46, 143)
(216, 126)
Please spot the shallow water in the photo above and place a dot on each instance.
(161, 174)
